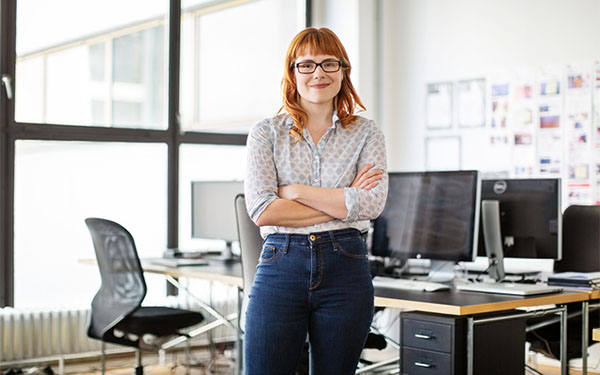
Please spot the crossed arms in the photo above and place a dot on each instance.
(303, 205)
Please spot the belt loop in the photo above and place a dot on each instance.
(286, 244)
(333, 241)
(331, 235)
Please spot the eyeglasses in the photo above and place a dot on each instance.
(328, 66)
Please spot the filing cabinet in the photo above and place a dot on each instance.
(432, 344)
(435, 344)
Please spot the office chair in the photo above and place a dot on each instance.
(580, 253)
(117, 315)
(580, 240)
(250, 248)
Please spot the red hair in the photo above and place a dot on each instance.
(318, 42)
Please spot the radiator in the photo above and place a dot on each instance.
(30, 334)
(27, 334)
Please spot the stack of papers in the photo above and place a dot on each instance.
(587, 280)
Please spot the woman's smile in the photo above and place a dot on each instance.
(319, 85)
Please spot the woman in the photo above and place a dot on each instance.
(315, 176)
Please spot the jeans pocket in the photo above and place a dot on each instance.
(353, 247)
(269, 253)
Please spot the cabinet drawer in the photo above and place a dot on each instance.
(426, 335)
(425, 362)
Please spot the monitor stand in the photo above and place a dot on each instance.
(227, 255)
(432, 270)
(441, 271)
(492, 236)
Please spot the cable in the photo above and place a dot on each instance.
(546, 343)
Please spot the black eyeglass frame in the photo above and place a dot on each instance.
(340, 65)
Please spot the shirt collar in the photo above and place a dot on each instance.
(289, 121)
(334, 119)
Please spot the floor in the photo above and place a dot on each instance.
(215, 362)
(220, 364)
(218, 361)
(548, 370)
(205, 362)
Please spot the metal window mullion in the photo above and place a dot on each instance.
(308, 16)
(85, 133)
(8, 20)
(214, 138)
(173, 129)
(7, 270)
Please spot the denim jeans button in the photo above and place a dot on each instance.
(312, 237)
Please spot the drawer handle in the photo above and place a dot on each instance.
(422, 336)
(421, 364)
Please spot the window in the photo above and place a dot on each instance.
(100, 63)
(57, 186)
(232, 81)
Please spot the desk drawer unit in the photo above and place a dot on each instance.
(430, 344)
(436, 344)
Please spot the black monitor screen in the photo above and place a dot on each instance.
(432, 215)
(530, 216)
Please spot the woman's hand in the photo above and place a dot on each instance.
(367, 178)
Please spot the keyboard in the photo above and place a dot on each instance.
(405, 284)
(179, 262)
(515, 289)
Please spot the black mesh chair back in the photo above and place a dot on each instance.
(123, 287)
(117, 315)
(250, 247)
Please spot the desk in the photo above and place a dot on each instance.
(470, 304)
(453, 303)
(227, 273)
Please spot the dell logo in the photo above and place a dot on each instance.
(499, 187)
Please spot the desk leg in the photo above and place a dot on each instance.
(238, 341)
(563, 341)
(222, 319)
(470, 326)
(585, 316)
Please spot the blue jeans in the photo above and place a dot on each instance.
(317, 284)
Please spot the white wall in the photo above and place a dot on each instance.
(432, 40)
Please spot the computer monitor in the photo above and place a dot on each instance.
(525, 222)
(429, 215)
(213, 211)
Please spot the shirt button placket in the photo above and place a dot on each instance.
(316, 169)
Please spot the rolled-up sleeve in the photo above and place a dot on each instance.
(260, 184)
(368, 204)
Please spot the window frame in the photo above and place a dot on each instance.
(10, 131)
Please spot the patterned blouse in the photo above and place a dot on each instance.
(275, 158)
